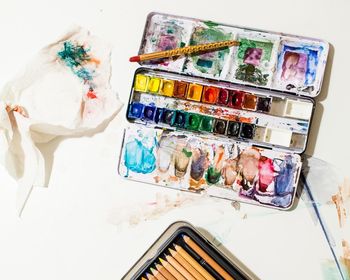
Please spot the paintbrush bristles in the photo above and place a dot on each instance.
(189, 50)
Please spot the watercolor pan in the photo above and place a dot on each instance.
(276, 61)
(249, 108)
(231, 123)
(224, 267)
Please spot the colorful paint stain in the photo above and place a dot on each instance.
(297, 65)
(251, 55)
(194, 92)
(210, 62)
(214, 171)
(167, 88)
(154, 84)
(141, 82)
(263, 176)
(210, 94)
(74, 55)
(266, 173)
(249, 102)
(236, 99)
(285, 177)
(139, 158)
(199, 164)
(180, 89)
(78, 58)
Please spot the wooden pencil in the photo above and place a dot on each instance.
(193, 262)
(207, 258)
(186, 265)
(150, 276)
(157, 274)
(164, 272)
(172, 270)
(185, 50)
(179, 268)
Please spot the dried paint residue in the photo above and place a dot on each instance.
(342, 203)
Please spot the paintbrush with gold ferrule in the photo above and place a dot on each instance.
(184, 51)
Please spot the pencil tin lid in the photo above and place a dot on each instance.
(196, 256)
(275, 61)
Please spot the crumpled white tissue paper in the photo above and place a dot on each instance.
(63, 91)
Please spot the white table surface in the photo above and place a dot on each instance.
(78, 228)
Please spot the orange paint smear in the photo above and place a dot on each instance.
(196, 185)
(95, 60)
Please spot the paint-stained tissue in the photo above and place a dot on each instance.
(71, 74)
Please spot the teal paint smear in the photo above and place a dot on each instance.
(139, 158)
(84, 74)
(73, 55)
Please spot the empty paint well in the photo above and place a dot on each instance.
(247, 130)
(141, 82)
(233, 129)
(298, 141)
(223, 97)
(168, 117)
(298, 109)
(260, 134)
(154, 85)
(279, 137)
(249, 102)
(220, 126)
(236, 99)
(135, 110)
(194, 92)
(206, 124)
(180, 119)
(167, 88)
(278, 106)
(180, 89)
(210, 94)
(149, 112)
(193, 121)
(264, 104)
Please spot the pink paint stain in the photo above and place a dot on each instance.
(266, 173)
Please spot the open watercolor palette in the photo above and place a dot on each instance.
(173, 256)
(230, 123)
